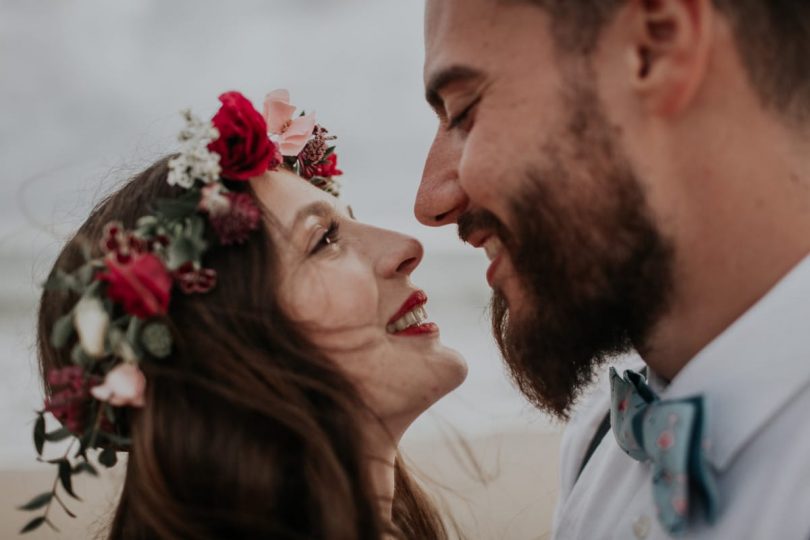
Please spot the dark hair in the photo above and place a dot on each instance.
(249, 431)
(773, 37)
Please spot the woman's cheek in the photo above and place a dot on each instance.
(335, 294)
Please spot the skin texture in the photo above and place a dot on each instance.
(345, 287)
(716, 176)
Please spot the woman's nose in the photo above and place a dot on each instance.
(400, 255)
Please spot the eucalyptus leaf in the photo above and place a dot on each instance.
(39, 434)
(62, 331)
(85, 467)
(37, 502)
(33, 524)
(79, 357)
(65, 477)
(108, 457)
(85, 274)
(59, 435)
(119, 441)
(61, 281)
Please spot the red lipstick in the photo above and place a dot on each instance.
(418, 298)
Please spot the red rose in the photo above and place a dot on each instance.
(141, 285)
(244, 149)
(326, 169)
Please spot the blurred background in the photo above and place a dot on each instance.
(89, 94)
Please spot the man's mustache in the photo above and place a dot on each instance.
(472, 221)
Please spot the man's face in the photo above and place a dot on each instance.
(530, 168)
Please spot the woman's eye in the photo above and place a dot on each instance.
(462, 117)
(330, 237)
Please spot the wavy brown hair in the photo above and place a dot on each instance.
(249, 431)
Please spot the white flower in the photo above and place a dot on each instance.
(91, 322)
(195, 161)
(123, 386)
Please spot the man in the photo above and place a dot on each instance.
(638, 172)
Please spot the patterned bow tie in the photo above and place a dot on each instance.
(670, 435)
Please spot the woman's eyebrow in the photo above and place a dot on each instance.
(318, 208)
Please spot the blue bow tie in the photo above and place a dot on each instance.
(668, 433)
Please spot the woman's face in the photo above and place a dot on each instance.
(349, 284)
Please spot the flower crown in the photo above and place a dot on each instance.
(124, 295)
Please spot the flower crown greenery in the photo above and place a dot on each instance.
(118, 321)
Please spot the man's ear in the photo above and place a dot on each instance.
(671, 42)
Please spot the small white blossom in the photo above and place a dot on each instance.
(195, 161)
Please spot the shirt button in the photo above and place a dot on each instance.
(641, 527)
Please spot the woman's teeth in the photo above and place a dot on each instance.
(415, 317)
(493, 247)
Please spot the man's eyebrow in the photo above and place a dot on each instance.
(444, 77)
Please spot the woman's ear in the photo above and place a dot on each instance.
(670, 43)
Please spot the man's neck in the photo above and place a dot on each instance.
(733, 249)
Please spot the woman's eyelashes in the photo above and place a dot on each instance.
(329, 238)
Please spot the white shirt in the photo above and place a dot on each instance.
(755, 379)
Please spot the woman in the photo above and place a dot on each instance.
(257, 350)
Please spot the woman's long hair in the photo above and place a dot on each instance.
(249, 431)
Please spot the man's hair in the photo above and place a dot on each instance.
(773, 38)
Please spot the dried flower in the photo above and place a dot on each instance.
(68, 401)
(235, 226)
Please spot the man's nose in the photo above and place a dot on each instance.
(440, 198)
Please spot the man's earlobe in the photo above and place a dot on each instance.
(672, 44)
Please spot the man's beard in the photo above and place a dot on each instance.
(595, 272)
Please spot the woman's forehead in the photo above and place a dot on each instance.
(285, 195)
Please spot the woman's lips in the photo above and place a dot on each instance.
(411, 319)
(418, 298)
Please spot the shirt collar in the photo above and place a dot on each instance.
(753, 369)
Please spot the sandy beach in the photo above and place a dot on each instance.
(501, 486)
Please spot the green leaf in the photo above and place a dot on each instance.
(184, 249)
(61, 281)
(39, 434)
(85, 274)
(37, 502)
(157, 340)
(329, 152)
(65, 473)
(108, 457)
(59, 435)
(180, 207)
(62, 331)
(119, 441)
(133, 333)
(85, 467)
(33, 524)
(79, 357)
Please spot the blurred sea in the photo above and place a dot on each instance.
(89, 94)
